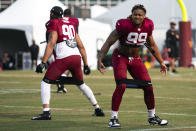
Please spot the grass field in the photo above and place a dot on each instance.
(20, 100)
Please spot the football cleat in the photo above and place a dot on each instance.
(98, 112)
(174, 71)
(156, 120)
(43, 116)
(61, 88)
(113, 123)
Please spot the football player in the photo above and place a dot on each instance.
(63, 40)
(132, 32)
(68, 16)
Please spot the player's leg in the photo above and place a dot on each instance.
(175, 57)
(52, 73)
(60, 87)
(120, 68)
(138, 71)
(173, 54)
(78, 75)
(172, 64)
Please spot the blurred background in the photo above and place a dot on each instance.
(22, 23)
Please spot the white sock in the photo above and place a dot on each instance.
(114, 114)
(46, 109)
(45, 92)
(64, 75)
(151, 113)
(96, 106)
(88, 93)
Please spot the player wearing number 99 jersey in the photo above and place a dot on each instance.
(131, 35)
(62, 39)
(132, 32)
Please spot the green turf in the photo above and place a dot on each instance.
(20, 100)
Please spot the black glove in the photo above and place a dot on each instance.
(87, 70)
(40, 68)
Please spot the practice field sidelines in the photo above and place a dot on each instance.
(170, 98)
(81, 110)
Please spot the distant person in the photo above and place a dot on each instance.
(8, 62)
(67, 15)
(34, 49)
(172, 38)
(0, 64)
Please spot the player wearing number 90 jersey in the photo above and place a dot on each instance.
(66, 41)
(62, 39)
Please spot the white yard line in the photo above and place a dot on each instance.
(164, 113)
(7, 91)
(82, 110)
(175, 78)
(171, 98)
(10, 82)
(162, 129)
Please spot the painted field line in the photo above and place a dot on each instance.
(177, 78)
(82, 110)
(10, 82)
(162, 129)
(171, 98)
(7, 91)
(164, 113)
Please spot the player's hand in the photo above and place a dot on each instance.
(41, 67)
(87, 70)
(163, 68)
(177, 36)
(101, 67)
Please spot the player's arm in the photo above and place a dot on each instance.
(52, 39)
(112, 38)
(82, 50)
(151, 43)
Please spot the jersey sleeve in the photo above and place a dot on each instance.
(51, 26)
(120, 26)
(151, 27)
(77, 22)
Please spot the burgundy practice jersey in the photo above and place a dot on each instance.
(131, 35)
(72, 19)
(66, 44)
